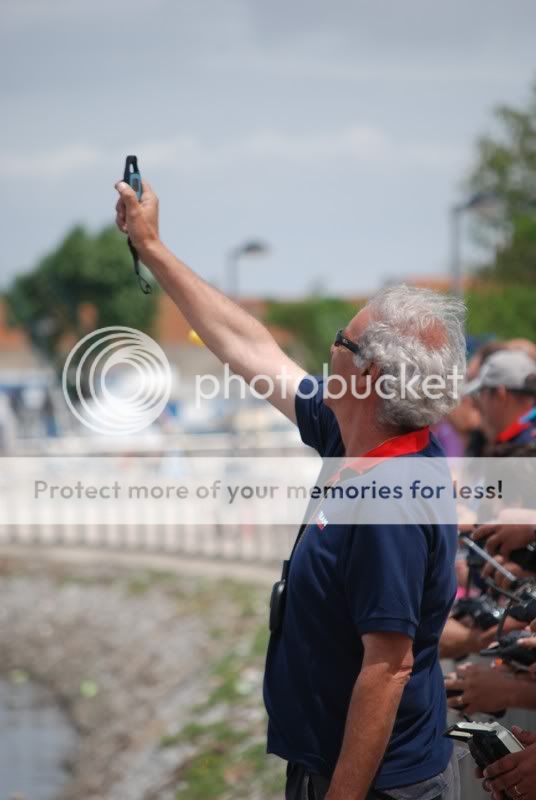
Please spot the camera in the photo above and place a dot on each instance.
(525, 557)
(475, 560)
(488, 741)
(524, 607)
(511, 652)
(484, 612)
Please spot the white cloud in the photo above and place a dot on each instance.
(352, 145)
(355, 144)
(58, 163)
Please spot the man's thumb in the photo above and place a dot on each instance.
(530, 642)
(128, 195)
(525, 737)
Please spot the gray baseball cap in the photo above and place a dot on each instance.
(513, 369)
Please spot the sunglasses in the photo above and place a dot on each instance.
(342, 341)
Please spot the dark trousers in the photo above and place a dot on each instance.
(303, 785)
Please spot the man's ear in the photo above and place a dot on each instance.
(373, 370)
(360, 378)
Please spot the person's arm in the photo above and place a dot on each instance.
(233, 335)
(503, 539)
(459, 640)
(386, 669)
(489, 689)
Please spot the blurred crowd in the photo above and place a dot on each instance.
(491, 634)
(497, 409)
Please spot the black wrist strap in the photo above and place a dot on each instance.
(144, 286)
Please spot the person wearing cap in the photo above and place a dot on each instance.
(504, 391)
(353, 685)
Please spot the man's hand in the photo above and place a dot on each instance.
(503, 539)
(459, 639)
(515, 773)
(489, 571)
(482, 689)
(139, 219)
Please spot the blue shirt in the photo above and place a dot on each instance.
(531, 416)
(345, 581)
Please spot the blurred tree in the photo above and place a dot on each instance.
(506, 171)
(314, 323)
(86, 283)
(508, 311)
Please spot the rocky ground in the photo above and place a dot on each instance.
(161, 674)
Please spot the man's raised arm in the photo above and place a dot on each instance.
(232, 334)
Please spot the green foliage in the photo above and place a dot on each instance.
(508, 311)
(204, 777)
(214, 733)
(515, 260)
(314, 323)
(85, 269)
(506, 169)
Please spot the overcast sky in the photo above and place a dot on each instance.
(338, 131)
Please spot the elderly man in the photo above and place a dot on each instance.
(353, 686)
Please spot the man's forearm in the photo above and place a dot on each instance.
(456, 640)
(225, 327)
(369, 725)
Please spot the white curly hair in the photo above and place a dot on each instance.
(425, 331)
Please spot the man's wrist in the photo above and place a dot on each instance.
(151, 252)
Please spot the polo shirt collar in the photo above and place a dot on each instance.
(404, 445)
(512, 431)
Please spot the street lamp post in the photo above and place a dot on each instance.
(480, 202)
(254, 247)
(250, 248)
(456, 282)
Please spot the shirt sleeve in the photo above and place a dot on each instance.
(316, 422)
(384, 571)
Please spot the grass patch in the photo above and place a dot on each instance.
(141, 582)
(222, 769)
(219, 733)
(84, 580)
(255, 756)
(204, 777)
(260, 642)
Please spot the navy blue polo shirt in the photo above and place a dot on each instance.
(345, 581)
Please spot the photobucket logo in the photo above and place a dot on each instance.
(120, 379)
(407, 384)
